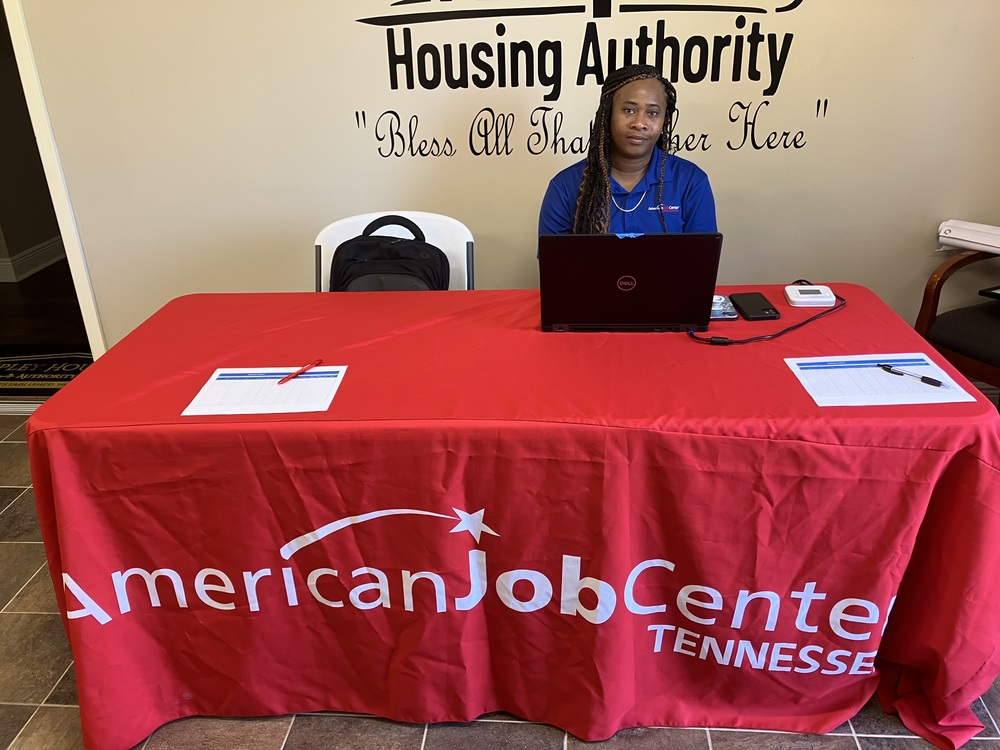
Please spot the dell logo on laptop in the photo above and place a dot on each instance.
(626, 283)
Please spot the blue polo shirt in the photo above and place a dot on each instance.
(688, 203)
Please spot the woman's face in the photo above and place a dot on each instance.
(637, 112)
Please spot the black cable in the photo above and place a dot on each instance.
(724, 341)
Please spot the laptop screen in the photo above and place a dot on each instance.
(608, 282)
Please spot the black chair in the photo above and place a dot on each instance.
(968, 337)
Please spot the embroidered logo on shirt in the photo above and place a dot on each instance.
(666, 209)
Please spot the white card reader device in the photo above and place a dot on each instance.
(809, 296)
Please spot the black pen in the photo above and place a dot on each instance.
(921, 378)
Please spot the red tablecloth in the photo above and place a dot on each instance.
(591, 530)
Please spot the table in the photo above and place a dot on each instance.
(595, 531)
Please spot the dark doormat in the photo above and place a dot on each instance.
(28, 377)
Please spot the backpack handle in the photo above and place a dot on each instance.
(391, 219)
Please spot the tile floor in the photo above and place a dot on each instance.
(38, 700)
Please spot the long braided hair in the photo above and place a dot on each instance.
(593, 204)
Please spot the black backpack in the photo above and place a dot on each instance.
(374, 263)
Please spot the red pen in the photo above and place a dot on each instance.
(300, 371)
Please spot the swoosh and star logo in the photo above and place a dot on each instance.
(471, 522)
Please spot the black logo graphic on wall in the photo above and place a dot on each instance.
(745, 53)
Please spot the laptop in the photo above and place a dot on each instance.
(646, 282)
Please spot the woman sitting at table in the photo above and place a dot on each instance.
(630, 183)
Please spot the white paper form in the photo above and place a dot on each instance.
(255, 390)
(857, 380)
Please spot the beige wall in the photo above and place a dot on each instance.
(204, 144)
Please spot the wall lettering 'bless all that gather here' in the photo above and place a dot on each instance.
(744, 52)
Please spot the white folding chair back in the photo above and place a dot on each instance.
(451, 235)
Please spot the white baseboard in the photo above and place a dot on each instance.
(32, 260)
(23, 408)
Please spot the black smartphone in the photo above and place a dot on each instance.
(754, 306)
